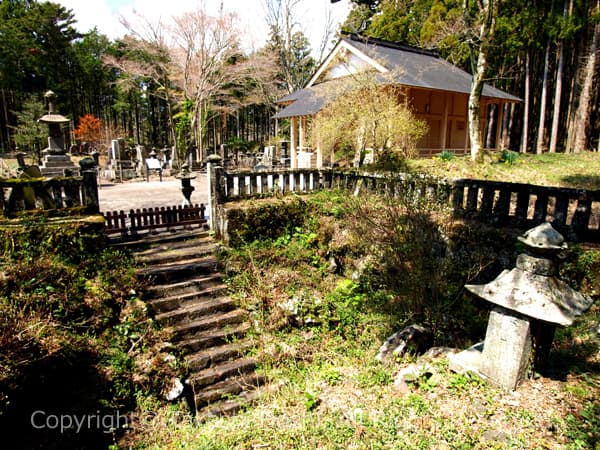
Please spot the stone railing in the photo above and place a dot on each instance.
(62, 195)
(574, 212)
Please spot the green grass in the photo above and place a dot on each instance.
(323, 398)
(325, 389)
(575, 170)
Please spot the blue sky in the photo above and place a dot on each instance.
(104, 14)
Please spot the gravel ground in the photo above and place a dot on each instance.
(152, 194)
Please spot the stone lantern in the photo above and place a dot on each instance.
(55, 159)
(529, 302)
(186, 178)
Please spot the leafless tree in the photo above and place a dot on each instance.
(146, 58)
(205, 47)
(211, 69)
(289, 43)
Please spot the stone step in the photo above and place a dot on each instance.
(231, 386)
(196, 310)
(228, 407)
(174, 302)
(59, 164)
(145, 241)
(220, 372)
(187, 330)
(213, 338)
(177, 271)
(52, 172)
(175, 241)
(176, 251)
(187, 286)
(205, 358)
(187, 293)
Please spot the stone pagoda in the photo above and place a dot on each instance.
(55, 161)
(529, 302)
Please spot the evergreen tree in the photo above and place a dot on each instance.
(289, 45)
(29, 134)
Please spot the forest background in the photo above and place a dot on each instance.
(188, 83)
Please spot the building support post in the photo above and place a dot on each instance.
(499, 127)
(293, 125)
(444, 127)
(301, 129)
(319, 151)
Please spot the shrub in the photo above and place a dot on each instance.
(422, 259)
(265, 220)
(71, 330)
(446, 155)
(508, 157)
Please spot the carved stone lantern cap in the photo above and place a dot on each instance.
(214, 158)
(185, 173)
(544, 238)
(52, 117)
(530, 289)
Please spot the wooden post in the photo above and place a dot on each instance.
(301, 130)
(319, 151)
(293, 125)
(499, 127)
(444, 127)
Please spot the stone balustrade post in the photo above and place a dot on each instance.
(89, 188)
(215, 197)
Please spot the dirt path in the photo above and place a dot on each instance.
(152, 194)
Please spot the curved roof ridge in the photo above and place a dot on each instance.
(390, 44)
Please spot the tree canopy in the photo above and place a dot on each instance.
(514, 56)
(188, 83)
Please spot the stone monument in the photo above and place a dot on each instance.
(529, 302)
(55, 161)
(186, 178)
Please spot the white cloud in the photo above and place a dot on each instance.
(104, 14)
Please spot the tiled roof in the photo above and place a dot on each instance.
(412, 67)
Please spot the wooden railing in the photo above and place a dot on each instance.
(153, 219)
(62, 196)
(573, 212)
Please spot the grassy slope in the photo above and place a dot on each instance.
(581, 170)
(328, 392)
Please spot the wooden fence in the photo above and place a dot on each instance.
(153, 220)
(573, 212)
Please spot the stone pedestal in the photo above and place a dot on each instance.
(506, 349)
(55, 165)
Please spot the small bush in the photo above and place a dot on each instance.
(446, 155)
(581, 269)
(73, 333)
(389, 162)
(508, 157)
(265, 221)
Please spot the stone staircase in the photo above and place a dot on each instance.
(186, 293)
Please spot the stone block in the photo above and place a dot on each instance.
(468, 360)
(507, 348)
